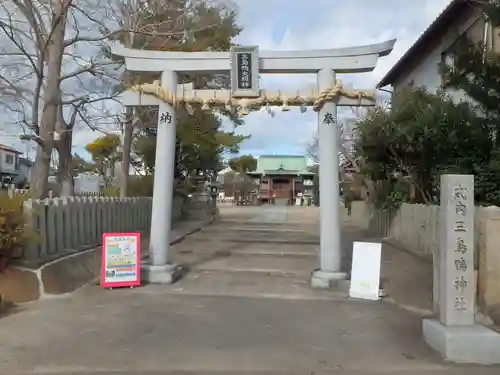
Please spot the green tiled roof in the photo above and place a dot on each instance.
(295, 163)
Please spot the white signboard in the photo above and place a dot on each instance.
(365, 272)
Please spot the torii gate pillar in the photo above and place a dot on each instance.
(328, 139)
(325, 63)
(160, 268)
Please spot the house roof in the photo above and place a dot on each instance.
(418, 50)
(295, 163)
(8, 148)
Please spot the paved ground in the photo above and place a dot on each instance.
(243, 308)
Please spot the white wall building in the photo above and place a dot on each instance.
(9, 160)
(89, 183)
(419, 66)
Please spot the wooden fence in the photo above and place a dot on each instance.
(13, 192)
(71, 224)
(416, 227)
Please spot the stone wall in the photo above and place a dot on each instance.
(415, 228)
(28, 281)
(488, 287)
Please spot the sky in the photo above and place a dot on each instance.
(316, 24)
(312, 24)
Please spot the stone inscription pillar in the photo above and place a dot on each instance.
(455, 335)
(456, 282)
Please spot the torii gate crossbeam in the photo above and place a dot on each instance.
(343, 60)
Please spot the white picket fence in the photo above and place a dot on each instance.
(71, 224)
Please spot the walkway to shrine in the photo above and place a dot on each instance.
(244, 307)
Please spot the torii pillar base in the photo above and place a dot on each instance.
(329, 280)
(165, 274)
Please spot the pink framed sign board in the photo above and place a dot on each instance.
(121, 260)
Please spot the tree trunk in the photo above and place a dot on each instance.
(125, 164)
(64, 170)
(40, 174)
(63, 145)
(51, 97)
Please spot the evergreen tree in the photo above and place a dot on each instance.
(200, 137)
(475, 71)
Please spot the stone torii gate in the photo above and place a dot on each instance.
(245, 64)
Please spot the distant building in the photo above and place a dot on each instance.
(283, 178)
(9, 164)
(88, 183)
(222, 173)
(233, 184)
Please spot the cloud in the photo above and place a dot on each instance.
(324, 24)
(316, 24)
(285, 133)
(334, 23)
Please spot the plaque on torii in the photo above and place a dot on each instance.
(245, 72)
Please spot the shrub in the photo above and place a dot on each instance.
(141, 186)
(111, 192)
(13, 233)
(184, 189)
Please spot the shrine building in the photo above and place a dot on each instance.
(283, 178)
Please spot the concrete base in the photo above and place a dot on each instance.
(467, 344)
(327, 280)
(166, 274)
(29, 281)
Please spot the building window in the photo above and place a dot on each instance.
(9, 159)
(461, 41)
(447, 62)
(448, 59)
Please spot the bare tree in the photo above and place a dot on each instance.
(42, 39)
(345, 142)
(351, 166)
(56, 72)
(32, 60)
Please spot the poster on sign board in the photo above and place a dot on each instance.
(121, 260)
